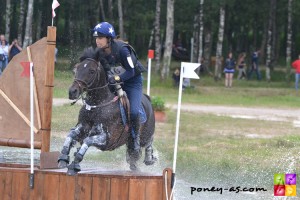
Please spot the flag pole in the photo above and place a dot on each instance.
(177, 127)
(31, 179)
(187, 70)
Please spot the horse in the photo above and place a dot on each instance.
(102, 121)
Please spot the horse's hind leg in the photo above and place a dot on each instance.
(64, 159)
(150, 159)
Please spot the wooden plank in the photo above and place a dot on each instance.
(83, 187)
(51, 186)
(48, 88)
(137, 189)
(119, 188)
(101, 188)
(66, 187)
(154, 189)
(20, 186)
(5, 185)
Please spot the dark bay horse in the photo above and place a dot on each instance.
(100, 121)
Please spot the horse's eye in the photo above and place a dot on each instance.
(92, 71)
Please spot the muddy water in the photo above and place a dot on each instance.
(115, 160)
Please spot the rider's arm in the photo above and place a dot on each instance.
(127, 63)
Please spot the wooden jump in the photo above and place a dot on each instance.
(91, 184)
(54, 184)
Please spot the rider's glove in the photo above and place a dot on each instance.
(114, 79)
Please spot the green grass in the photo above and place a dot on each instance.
(213, 149)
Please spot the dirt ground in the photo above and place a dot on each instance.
(269, 114)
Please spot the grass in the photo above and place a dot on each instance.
(213, 150)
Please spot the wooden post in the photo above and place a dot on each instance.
(48, 89)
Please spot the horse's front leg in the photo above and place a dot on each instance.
(73, 136)
(97, 139)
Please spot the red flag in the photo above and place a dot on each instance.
(26, 69)
(55, 4)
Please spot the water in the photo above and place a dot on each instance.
(204, 177)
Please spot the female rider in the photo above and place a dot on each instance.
(119, 53)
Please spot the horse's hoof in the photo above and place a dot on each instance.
(134, 167)
(150, 162)
(63, 161)
(62, 164)
(73, 169)
(71, 172)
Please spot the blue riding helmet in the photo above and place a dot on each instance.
(104, 29)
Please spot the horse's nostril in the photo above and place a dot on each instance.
(73, 93)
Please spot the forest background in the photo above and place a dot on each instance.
(216, 26)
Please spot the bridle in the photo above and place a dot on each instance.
(87, 86)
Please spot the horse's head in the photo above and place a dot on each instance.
(89, 75)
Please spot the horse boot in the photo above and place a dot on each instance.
(64, 158)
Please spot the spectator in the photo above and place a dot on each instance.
(241, 66)
(229, 70)
(254, 66)
(3, 54)
(176, 77)
(14, 49)
(296, 65)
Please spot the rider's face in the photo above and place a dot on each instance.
(101, 42)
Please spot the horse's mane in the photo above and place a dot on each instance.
(95, 54)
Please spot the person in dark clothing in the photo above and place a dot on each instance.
(118, 53)
(254, 67)
(14, 49)
(229, 70)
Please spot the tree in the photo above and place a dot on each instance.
(270, 41)
(7, 21)
(200, 32)
(169, 40)
(121, 25)
(21, 21)
(218, 65)
(157, 36)
(289, 41)
(28, 30)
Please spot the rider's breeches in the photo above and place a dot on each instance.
(134, 91)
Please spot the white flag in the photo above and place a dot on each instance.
(189, 70)
(55, 4)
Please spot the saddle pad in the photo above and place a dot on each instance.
(143, 116)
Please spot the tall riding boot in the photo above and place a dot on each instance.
(135, 123)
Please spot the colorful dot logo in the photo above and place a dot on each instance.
(285, 184)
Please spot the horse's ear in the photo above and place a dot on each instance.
(100, 56)
(87, 53)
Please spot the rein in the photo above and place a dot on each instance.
(85, 87)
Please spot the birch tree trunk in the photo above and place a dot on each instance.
(195, 39)
(39, 22)
(28, 29)
(157, 36)
(7, 20)
(271, 23)
(200, 53)
(20, 23)
(289, 41)
(110, 11)
(121, 26)
(218, 65)
(169, 40)
(102, 13)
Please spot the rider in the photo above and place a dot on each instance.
(117, 53)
